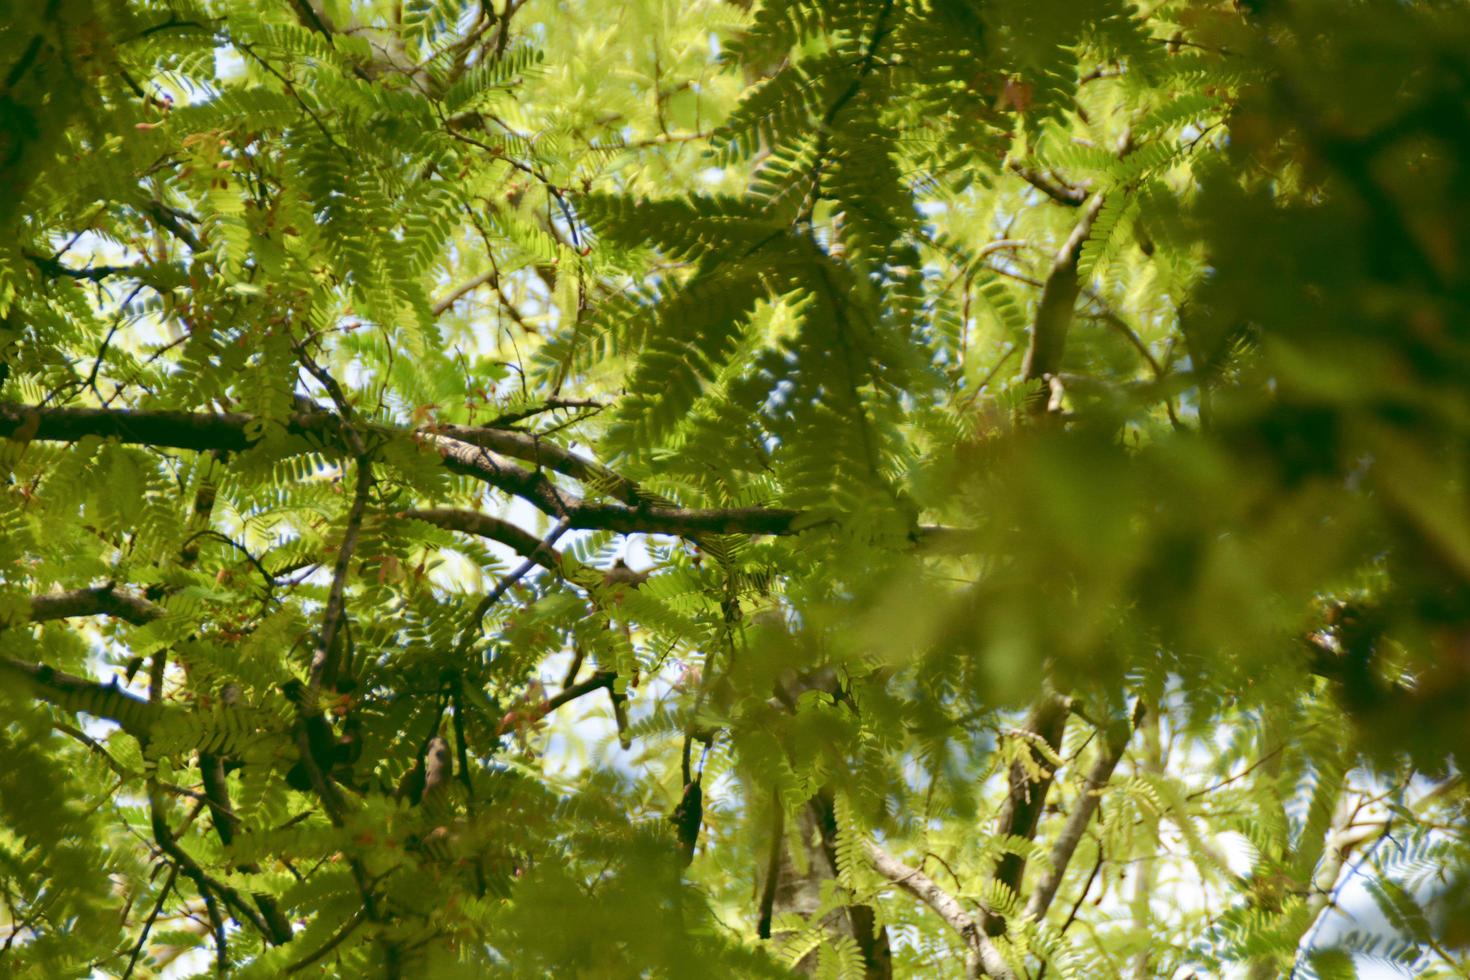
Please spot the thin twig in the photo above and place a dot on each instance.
(325, 667)
(472, 629)
(325, 664)
(550, 405)
(458, 292)
(337, 939)
(1077, 905)
(173, 874)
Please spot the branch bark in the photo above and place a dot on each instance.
(985, 959)
(1063, 193)
(226, 826)
(533, 449)
(100, 601)
(802, 882)
(136, 716)
(325, 665)
(229, 432)
(1022, 808)
(1054, 312)
(1065, 846)
(525, 544)
(463, 289)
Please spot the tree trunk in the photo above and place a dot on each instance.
(799, 887)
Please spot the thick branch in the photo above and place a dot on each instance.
(228, 432)
(985, 959)
(869, 934)
(136, 716)
(533, 449)
(1022, 809)
(1059, 191)
(1087, 803)
(1058, 300)
(217, 795)
(499, 472)
(686, 522)
(773, 870)
(524, 543)
(598, 680)
(226, 827)
(101, 601)
(149, 427)
(922, 887)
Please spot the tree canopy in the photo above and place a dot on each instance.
(848, 488)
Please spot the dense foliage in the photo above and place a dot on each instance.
(867, 488)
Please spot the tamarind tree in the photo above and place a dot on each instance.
(848, 488)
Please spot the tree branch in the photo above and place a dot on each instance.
(1087, 803)
(590, 405)
(173, 875)
(136, 716)
(149, 427)
(99, 601)
(55, 269)
(1054, 312)
(337, 938)
(773, 869)
(1021, 811)
(312, 18)
(325, 665)
(1059, 191)
(532, 449)
(985, 959)
(597, 680)
(168, 219)
(226, 826)
(472, 629)
(227, 431)
(208, 887)
(458, 292)
(526, 544)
